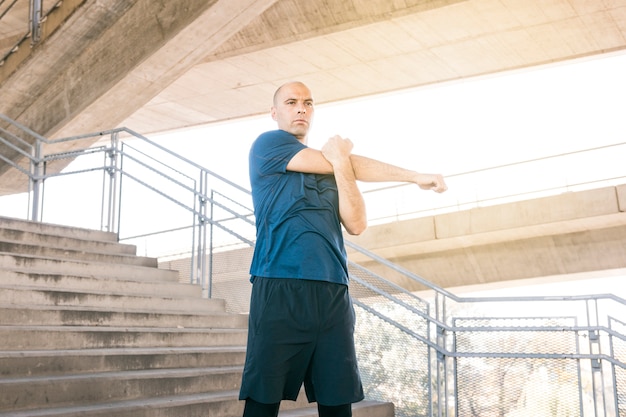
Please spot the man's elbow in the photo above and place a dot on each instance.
(357, 228)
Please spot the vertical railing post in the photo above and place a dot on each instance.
(195, 223)
(201, 244)
(35, 20)
(36, 179)
(210, 272)
(440, 360)
(112, 171)
(441, 373)
(614, 379)
(595, 363)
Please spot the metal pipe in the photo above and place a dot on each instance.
(35, 20)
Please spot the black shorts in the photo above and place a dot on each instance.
(301, 331)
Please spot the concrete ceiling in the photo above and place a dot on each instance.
(158, 66)
(358, 48)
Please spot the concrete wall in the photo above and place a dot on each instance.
(567, 233)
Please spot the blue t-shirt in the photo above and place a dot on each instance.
(297, 215)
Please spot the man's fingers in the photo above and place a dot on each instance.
(440, 185)
(436, 184)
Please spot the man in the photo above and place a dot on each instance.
(301, 320)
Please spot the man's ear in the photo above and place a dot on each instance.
(273, 113)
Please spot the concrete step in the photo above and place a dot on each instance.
(45, 363)
(50, 229)
(219, 404)
(79, 253)
(89, 329)
(21, 295)
(110, 246)
(36, 392)
(90, 283)
(15, 315)
(29, 263)
(16, 338)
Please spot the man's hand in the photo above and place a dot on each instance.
(337, 150)
(433, 182)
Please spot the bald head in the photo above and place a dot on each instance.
(292, 109)
(286, 85)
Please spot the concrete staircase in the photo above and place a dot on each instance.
(87, 328)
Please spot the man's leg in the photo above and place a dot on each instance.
(334, 375)
(344, 410)
(256, 409)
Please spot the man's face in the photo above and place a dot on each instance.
(293, 110)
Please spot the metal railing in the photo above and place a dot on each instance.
(449, 356)
(432, 353)
(31, 15)
(184, 207)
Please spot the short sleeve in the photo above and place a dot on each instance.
(271, 153)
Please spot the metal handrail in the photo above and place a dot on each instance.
(148, 172)
(32, 28)
(438, 331)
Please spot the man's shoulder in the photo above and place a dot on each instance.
(275, 141)
(277, 134)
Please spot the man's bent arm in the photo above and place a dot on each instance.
(351, 204)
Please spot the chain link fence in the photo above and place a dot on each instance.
(491, 356)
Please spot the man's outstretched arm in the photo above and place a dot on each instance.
(367, 170)
(372, 170)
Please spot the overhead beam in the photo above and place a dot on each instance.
(581, 231)
(111, 58)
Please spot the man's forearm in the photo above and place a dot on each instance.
(351, 204)
(372, 170)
